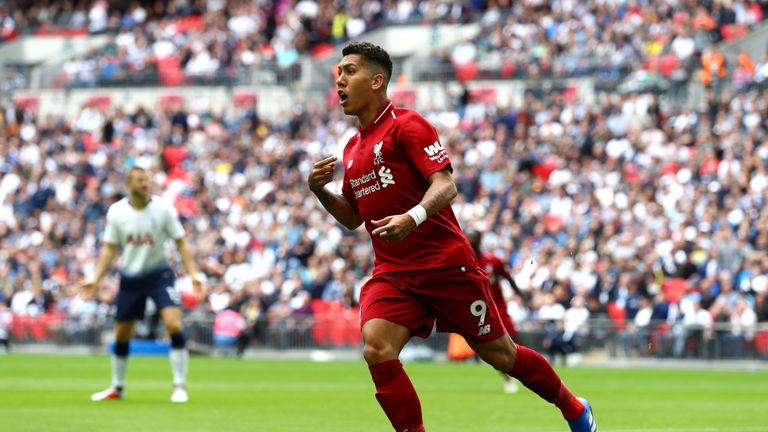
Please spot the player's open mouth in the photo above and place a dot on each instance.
(342, 97)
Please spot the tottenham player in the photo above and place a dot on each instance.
(397, 181)
(140, 224)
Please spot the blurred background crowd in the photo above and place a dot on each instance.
(622, 215)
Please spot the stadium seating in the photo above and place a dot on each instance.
(589, 181)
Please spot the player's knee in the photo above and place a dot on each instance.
(173, 327)
(123, 333)
(378, 352)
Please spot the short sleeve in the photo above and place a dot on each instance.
(111, 231)
(422, 144)
(173, 225)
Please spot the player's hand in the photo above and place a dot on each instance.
(87, 289)
(198, 285)
(393, 228)
(321, 174)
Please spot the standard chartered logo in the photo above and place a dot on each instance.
(372, 181)
(385, 174)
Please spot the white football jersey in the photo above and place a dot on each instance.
(142, 234)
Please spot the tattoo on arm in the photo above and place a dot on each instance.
(340, 208)
(440, 193)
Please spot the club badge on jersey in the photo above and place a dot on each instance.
(378, 157)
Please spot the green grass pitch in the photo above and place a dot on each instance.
(51, 393)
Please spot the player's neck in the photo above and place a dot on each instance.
(138, 202)
(373, 110)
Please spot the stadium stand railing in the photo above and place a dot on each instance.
(339, 329)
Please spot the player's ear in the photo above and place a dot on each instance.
(377, 81)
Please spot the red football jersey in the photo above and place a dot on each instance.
(495, 269)
(386, 169)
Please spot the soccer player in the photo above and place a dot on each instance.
(140, 224)
(496, 271)
(397, 181)
(5, 324)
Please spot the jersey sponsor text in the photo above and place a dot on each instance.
(140, 239)
(436, 151)
(382, 180)
(356, 182)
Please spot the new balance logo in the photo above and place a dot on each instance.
(484, 330)
(385, 174)
(434, 149)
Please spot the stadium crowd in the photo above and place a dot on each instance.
(653, 219)
(619, 210)
(346, 18)
(211, 42)
(566, 39)
(226, 42)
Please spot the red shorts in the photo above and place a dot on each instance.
(501, 305)
(458, 301)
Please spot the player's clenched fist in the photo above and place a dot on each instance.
(321, 174)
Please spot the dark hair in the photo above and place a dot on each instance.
(371, 54)
(132, 170)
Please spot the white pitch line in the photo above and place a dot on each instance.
(702, 429)
(705, 429)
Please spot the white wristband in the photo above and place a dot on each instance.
(418, 213)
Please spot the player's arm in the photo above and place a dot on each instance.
(504, 273)
(442, 190)
(336, 204)
(107, 255)
(189, 265)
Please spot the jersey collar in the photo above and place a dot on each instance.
(387, 106)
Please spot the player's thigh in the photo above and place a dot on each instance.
(461, 303)
(162, 290)
(501, 306)
(387, 298)
(506, 320)
(171, 316)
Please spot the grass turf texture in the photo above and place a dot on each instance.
(45, 393)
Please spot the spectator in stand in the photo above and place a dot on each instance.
(636, 335)
(743, 321)
(743, 73)
(230, 331)
(693, 330)
(713, 68)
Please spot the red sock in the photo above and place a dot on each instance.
(397, 396)
(535, 372)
